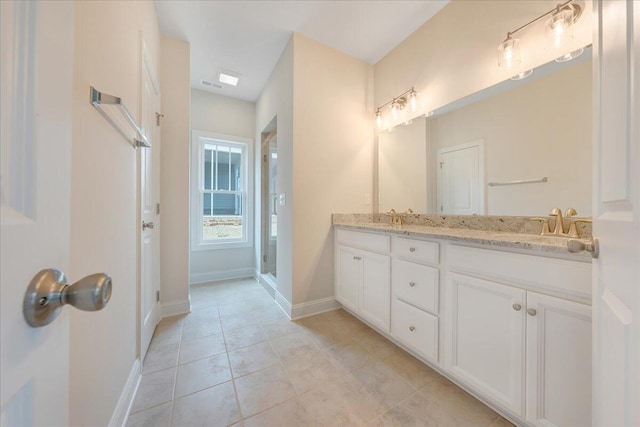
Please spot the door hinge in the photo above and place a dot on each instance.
(158, 115)
(157, 296)
(441, 163)
(441, 208)
(264, 157)
(264, 258)
(157, 208)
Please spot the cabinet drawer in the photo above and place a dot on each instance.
(415, 328)
(417, 250)
(416, 284)
(367, 241)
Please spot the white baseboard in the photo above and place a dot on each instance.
(173, 308)
(310, 308)
(120, 413)
(214, 276)
(283, 303)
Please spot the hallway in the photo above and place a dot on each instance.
(237, 360)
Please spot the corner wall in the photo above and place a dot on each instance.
(333, 156)
(276, 99)
(104, 201)
(174, 179)
(228, 116)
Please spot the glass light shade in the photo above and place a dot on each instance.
(559, 29)
(522, 75)
(394, 110)
(509, 53)
(379, 119)
(413, 100)
(569, 56)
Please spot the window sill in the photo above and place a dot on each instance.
(221, 246)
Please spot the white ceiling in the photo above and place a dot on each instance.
(248, 36)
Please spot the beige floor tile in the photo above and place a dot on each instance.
(252, 358)
(309, 369)
(158, 416)
(167, 333)
(337, 403)
(280, 328)
(268, 314)
(348, 356)
(326, 333)
(290, 414)
(411, 369)
(160, 356)
(210, 313)
(454, 407)
(201, 374)
(215, 406)
(244, 336)
(263, 390)
(288, 346)
(376, 344)
(227, 309)
(237, 321)
(383, 386)
(196, 327)
(154, 389)
(200, 348)
(501, 422)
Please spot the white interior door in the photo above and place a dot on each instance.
(149, 179)
(461, 179)
(36, 87)
(616, 214)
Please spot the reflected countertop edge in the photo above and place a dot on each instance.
(540, 245)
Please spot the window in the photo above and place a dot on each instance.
(220, 178)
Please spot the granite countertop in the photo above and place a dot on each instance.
(546, 244)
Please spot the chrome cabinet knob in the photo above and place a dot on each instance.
(517, 307)
(577, 246)
(49, 291)
(532, 311)
(412, 249)
(146, 225)
(412, 328)
(412, 284)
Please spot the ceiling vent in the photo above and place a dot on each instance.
(211, 84)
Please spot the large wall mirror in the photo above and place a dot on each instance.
(516, 148)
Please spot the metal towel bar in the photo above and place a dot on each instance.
(524, 181)
(135, 136)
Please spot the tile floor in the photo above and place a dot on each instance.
(237, 360)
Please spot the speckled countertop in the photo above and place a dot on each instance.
(554, 246)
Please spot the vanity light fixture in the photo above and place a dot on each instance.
(569, 56)
(397, 104)
(522, 75)
(557, 29)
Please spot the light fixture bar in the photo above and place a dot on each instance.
(386, 104)
(576, 9)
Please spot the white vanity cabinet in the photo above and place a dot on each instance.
(415, 285)
(528, 352)
(363, 276)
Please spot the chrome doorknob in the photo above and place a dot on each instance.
(146, 225)
(49, 291)
(577, 246)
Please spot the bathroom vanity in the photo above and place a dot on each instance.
(507, 316)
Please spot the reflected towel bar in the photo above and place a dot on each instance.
(524, 181)
(99, 99)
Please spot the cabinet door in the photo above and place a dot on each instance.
(348, 276)
(558, 362)
(487, 338)
(375, 298)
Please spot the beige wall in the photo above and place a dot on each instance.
(276, 99)
(103, 201)
(454, 54)
(174, 180)
(543, 128)
(215, 113)
(332, 157)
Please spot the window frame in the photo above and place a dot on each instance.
(198, 141)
